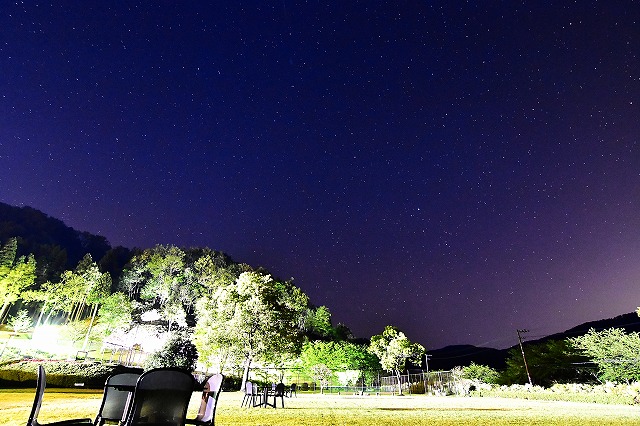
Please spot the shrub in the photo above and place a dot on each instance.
(608, 393)
(480, 373)
(417, 388)
(231, 383)
(178, 352)
(59, 373)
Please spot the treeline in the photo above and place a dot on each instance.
(231, 313)
(225, 314)
(56, 246)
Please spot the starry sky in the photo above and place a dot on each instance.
(457, 169)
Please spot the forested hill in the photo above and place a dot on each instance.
(55, 244)
(451, 356)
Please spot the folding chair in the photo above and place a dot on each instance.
(292, 391)
(249, 395)
(117, 392)
(41, 385)
(161, 397)
(210, 394)
(277, 393)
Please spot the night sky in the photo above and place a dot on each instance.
(456, 169)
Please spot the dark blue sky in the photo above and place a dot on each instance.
(457, 170)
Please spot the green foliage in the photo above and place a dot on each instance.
(609, 393)
(11, 353)
(178, 352)
(317, 322)
(16, 275)
(115, 313)
(322, 374)
(21, 322)
(339, 357)
(481, 373)
(254, 318)
(394, 349)
(553, 361)
(59, 373)
(8, 253)
(614, 351)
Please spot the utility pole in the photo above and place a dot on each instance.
(426, 380)
(526, 367)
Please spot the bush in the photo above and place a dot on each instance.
(231, 383)
(417, 388)
(480, 373)
(178, 352)
(608, 393)
(59, 374)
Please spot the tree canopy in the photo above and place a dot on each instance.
(394, 349)
(614, 351)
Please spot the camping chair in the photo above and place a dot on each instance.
(291, 391)
(210, 394)
(249, 394)
(161, 397)
(117, 391)
(277, 393)
(41, 385)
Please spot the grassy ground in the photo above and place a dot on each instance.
(309, 409)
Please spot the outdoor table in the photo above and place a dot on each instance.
(263, 395)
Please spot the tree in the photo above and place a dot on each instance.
(20, 322)
(318, 322)
(338, 357)
(16, 276)
(178, 352)
(394, 349)
(157, 278)
(480, 373)
(552, 361)
(321, 352)
(322, 374)
(613, 351)
(115, 313)
(256, 318)
(164, 289)
(8, 253)
(52, 298)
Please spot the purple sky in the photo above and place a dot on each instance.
(456, 170)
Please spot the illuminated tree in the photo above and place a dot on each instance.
(322, 374)
(115, 313)
(394, 349)
(339, 356)
(614, 351)
(20, 322)
(318, 322)
(16, 275)
(157, 278)
(177, 352)
(256, 318)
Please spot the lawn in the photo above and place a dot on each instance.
(313, 409)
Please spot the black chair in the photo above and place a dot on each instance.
(210, 394)
(161, 397)
(278, 392)
(291, 391)
(41, 385)
(117, 391)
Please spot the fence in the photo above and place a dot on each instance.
(433, 382)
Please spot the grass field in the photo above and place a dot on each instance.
(318, 410)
